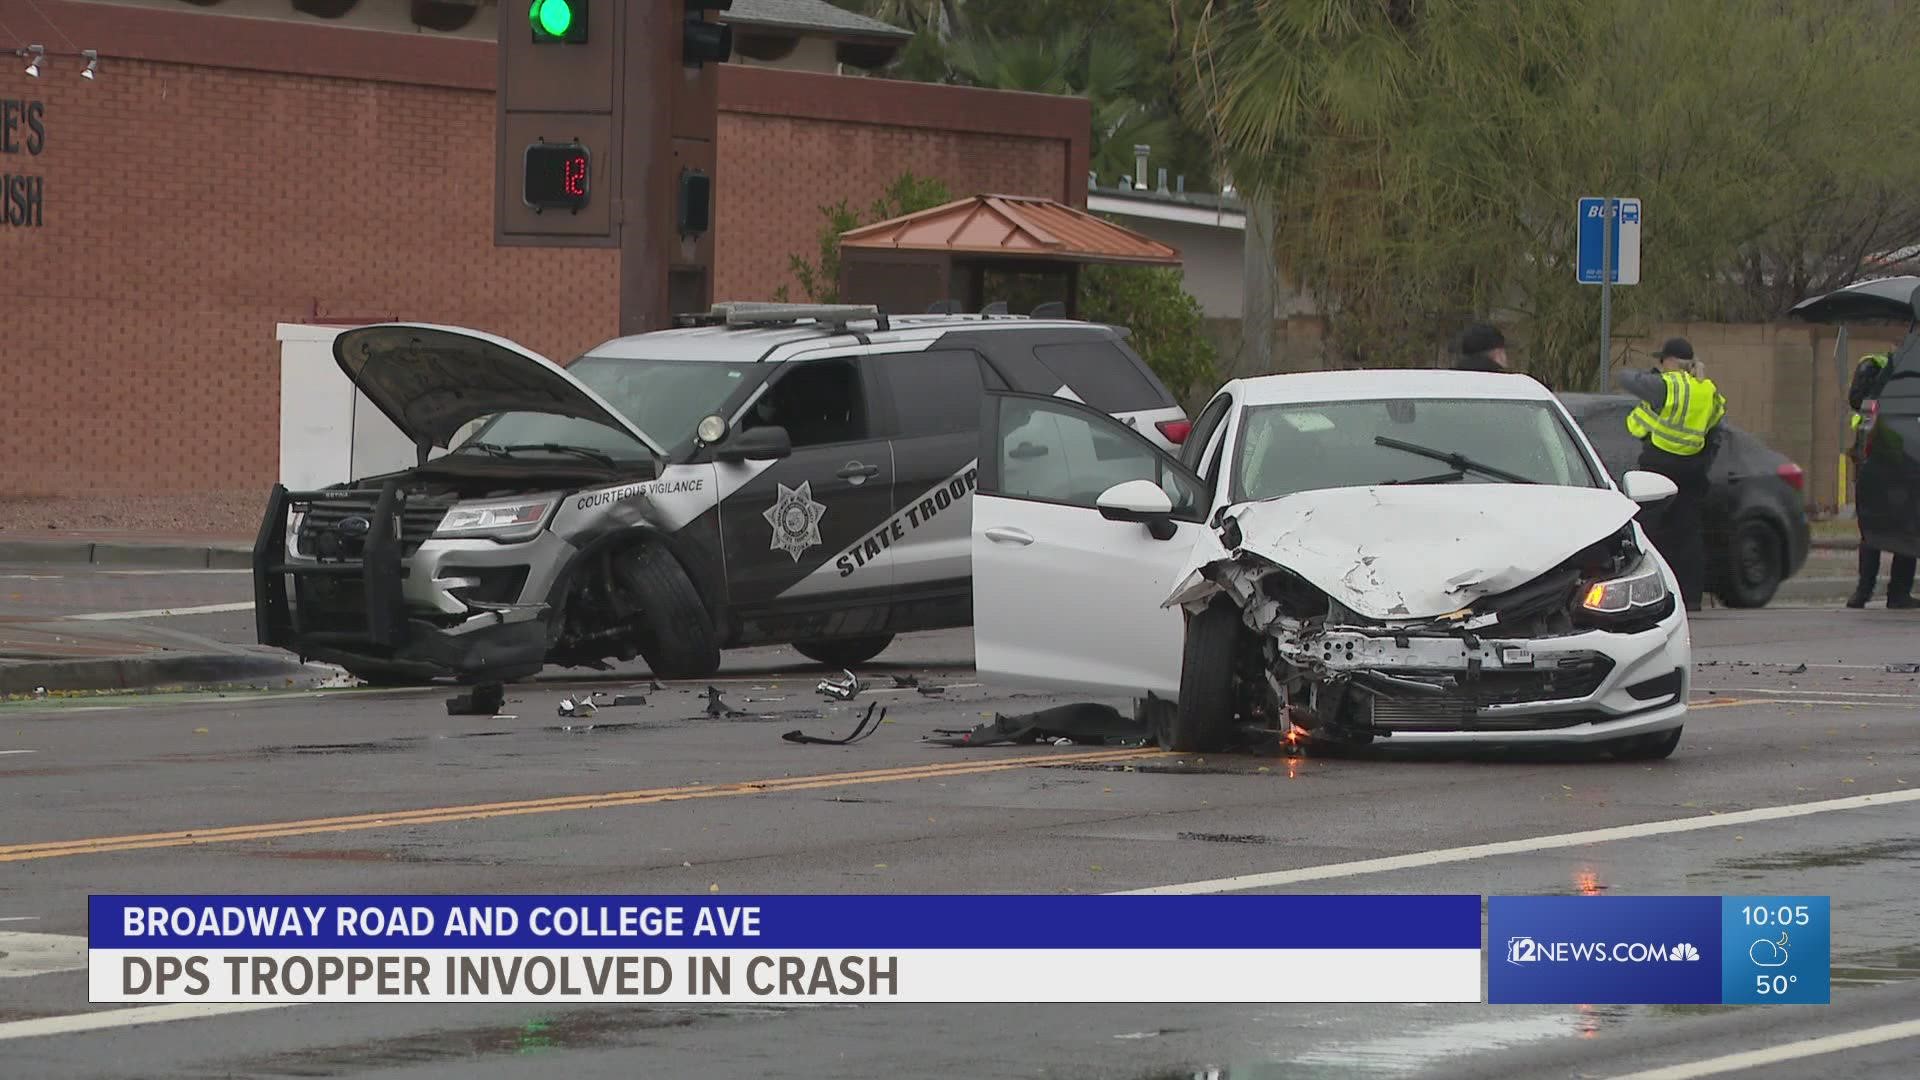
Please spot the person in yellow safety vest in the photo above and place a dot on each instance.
(1678, 424)
(1867, 379)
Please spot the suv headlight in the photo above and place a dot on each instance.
(505, 519)
(1639, 592)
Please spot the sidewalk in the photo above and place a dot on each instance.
(60, 643)
(126, 548)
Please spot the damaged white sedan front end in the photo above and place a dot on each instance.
(1411, 614)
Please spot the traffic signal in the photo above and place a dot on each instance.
(557, 176)
(702, 42)
(559, 20)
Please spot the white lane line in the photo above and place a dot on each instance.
(170, 573)
(115, 1018)
(1773, 1055)
(1441, 856)
(4, 753)
(1803, 693)
(19, 918)
(155, 613)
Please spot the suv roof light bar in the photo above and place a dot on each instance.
(745, 313)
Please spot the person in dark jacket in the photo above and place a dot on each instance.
(1482, 348)
(1867, 380)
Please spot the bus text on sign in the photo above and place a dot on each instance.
(557, 176)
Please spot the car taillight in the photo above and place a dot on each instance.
(1175, 430)
(1795, 477)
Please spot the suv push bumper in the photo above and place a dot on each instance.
(375, 633)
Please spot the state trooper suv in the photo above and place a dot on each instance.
(765, 473)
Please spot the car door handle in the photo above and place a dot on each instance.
(1000, 535)
(854, 468)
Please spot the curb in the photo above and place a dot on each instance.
(144, 672)
(89, 553)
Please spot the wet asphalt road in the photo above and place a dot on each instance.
(967, 820)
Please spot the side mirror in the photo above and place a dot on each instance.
(1913, 301)
(1139, 501)
(755, 444)
(1648, 487)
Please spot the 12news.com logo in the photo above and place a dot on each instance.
(1525, 950)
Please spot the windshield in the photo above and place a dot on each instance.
(1285, 449)
(664, 398)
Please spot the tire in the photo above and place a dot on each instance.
(1756, 564)
(844, 652)
(1203, 720)
(680, 641)
(1655, 747)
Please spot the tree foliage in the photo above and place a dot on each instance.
(1166, 322)
(820, 280)
(1424, 158)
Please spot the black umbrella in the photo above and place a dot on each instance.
(1896, 298)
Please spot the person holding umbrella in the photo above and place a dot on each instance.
(1867, 380)
(1678, 424)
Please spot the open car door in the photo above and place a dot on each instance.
(1080, 529)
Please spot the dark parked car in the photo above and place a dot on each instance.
(1887, 490)
(1757, 532)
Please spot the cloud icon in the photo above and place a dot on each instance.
(1686, 951)
(1769, 953)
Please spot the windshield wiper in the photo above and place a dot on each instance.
(559, 448)
(1437, 478)
(498, 450)
(1460, 462)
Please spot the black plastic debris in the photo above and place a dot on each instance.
(902, 682)
(1799, 670)
(1903, 669)
(1084, 724)
(716, 706)
(868, 725)
(629, 699)
(842, 689)
(483, 700)
(931, 691)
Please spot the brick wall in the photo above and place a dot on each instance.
(191, 206)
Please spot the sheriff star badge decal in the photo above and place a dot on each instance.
(795, 518)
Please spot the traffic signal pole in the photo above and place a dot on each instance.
(606, 126)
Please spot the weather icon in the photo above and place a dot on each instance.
(1769, 953)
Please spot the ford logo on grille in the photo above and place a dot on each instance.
(354, 526)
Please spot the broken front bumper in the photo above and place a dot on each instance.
(373, 606)
(1582, 687)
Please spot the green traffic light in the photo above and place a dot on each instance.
(555, 17)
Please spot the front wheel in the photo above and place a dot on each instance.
(844, 652)
(1756, 564)
(1655, 747)
(1203, 720)
(679, 638)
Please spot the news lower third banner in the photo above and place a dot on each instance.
(784, 949)
(1318, 948)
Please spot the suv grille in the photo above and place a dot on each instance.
(320, 529)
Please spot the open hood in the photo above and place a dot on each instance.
(433, 380)
(1419, 551)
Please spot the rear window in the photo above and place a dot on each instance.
(1103, 375)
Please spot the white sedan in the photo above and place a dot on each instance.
(1335, 557)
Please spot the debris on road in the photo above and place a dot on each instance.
(718, 707)
(931, 691)
(1903, 669)
(1083, 724)
(902, 682)
(584, 707)
(844, 689)
(483, 700)
(868, 725)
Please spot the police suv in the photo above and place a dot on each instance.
(764, 473)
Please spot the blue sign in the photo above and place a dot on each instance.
(1657, 950)
(1625, 257)
(519, 921)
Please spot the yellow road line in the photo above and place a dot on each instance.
(477, 811)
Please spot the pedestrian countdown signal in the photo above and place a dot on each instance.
(557, 176)
(558, 20)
